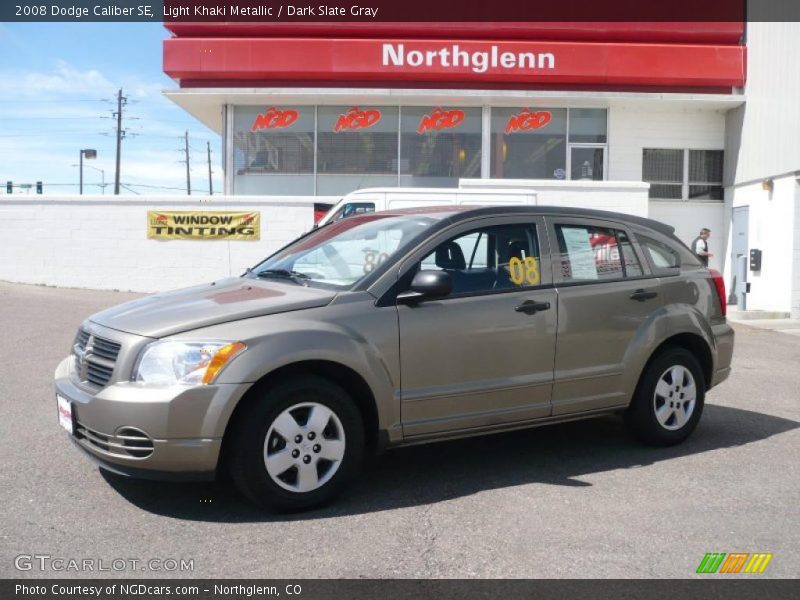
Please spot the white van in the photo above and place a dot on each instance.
(379, 199)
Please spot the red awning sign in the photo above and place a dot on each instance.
(452, 63)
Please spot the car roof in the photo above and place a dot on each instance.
(463, 212)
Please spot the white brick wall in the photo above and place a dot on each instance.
(689, 217)
(618, 196)
(632, 128)
(102, 243)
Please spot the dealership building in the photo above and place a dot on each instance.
(706, 113)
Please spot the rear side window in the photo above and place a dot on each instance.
(589, 253)
(661, 255)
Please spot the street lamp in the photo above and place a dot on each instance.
(89, 153)
(102, 177)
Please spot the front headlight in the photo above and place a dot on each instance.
(188, 363)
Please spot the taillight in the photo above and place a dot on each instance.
(719, 284)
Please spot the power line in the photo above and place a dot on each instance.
(45, 118)
(162, 187)
(94, 100)
(130, 190)
(49, 134)
(123, 184)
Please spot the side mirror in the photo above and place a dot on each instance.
(427, 284)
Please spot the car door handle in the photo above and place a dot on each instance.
(642, 295)
(531, 307)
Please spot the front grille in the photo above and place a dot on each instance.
(82, 338)
(128, 442)
(95, 358)
(105, 349)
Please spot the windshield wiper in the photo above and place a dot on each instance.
(283, 274)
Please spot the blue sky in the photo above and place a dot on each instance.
(60, 79)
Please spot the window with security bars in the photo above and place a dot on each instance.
(679, 174)
(705, 175)
(663, 170)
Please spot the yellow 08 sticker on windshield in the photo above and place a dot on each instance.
(524, 273)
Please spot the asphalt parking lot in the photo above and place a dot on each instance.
(572, 500)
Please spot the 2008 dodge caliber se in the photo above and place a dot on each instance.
(399, 327)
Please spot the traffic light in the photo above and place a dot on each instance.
(9, 187)
(38, 187)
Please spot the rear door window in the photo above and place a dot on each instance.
(592, 253)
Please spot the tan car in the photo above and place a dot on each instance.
(398, 327)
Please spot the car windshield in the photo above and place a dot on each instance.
(340, 254)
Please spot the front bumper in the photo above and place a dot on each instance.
(164, 433)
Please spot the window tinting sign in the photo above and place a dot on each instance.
(203, 225)
(275, 118)
(528, 119)
(439, 119)
(357, 119)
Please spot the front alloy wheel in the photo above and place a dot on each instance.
(304, 447)
(295, 444)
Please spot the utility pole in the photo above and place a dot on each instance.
(121, 100)
(210, 185)
(188, 172)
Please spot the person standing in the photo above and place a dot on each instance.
(700, 246)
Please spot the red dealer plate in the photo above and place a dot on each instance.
(64, 413)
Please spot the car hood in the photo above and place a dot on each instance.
(210, 304)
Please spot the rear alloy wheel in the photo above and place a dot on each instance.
(669, 399)
(675, 397)
(296, 445)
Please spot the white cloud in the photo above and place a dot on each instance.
(65, 79)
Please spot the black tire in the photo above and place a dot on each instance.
(641, 419)
(245, 458)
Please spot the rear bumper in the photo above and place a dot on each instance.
(724, 338)
(720, 375)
